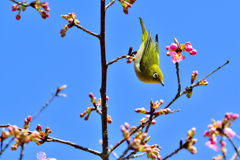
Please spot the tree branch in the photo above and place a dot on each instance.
(52, 139)
(115, 60)
(194, 85)
(2, 150)
(105, 152)
(232, 143)
(85, 30)
(109, 4)
(44, 106)
(21, 155)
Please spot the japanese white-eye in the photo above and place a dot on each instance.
(146, 63)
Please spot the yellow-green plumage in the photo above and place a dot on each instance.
(146, 63)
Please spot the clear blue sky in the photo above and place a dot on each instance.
(35, 60)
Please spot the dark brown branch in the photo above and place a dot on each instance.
(178, 76)
(174, 152)
(105, 151)
(115, 60)
(51, 139)
(85, 30)
(194, 85)
(109, 4)
(150, 120)
(21, 155)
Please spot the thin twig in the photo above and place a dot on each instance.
(109, 4)
(194, 85)
(21, 155)
(25, 4)
(85, 30)
(124, 153)
(135, 156)
(178, 76)
(234, 157)
(51, 139)
(174, 152)
(6, 146)
(115, 60)
(44, 106)
(232, 143)
(150, 120)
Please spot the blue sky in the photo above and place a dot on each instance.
(35, 60)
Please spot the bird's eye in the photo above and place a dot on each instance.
(155, 75)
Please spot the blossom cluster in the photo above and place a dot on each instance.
(36, 4)
(220, 128)
(176, 51)
(23, 136)
(139, 143)
(71, 18)
(200, 83)
(190, 141)
(96, 105)
(126, 4)
(131, 55)
(153, 107)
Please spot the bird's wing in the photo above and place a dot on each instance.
(150, 56)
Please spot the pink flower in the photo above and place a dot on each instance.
(176, 57)
(229, 132)
(213, 146)
(193, 52)
(173, 46)
(41, 156)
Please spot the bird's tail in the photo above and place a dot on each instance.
(144, 31)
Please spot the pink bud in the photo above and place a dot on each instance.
(29, 118)
(107, 98)
(126, 125)
(234, 116)
(18, 17)
(168, 54)
(14, 7)
(188, 48)
(91, 95)
(193, 52)
(167, 47)
(129, 61)
(173, 46)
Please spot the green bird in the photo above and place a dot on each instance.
(146, 63)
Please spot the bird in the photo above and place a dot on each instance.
(146, 62)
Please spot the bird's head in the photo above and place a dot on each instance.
(157, 76)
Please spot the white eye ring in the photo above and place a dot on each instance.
(155, 75)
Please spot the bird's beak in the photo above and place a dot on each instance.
(162, 83)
